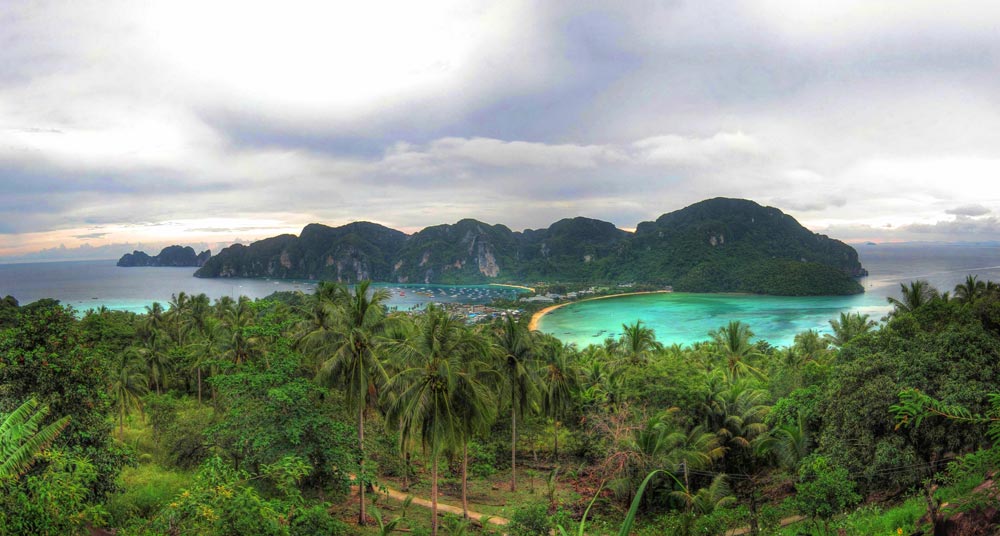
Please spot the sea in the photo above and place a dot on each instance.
(676, 317)
(88, 285)
(683, 318)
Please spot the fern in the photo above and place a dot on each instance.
(22, 437)
(914, 406)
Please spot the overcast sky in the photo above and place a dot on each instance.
(126, 124)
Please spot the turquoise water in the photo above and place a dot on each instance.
(687, 318)
(92, 284)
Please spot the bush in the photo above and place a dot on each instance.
(147, 490)
(316, 521)
(530, 520)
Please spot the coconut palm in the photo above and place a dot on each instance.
(708, 499)
(789, 442)
(847, 327)
(238, 344)
(128, 385)
(637, 343)
(441, 395)
(732, 344)
(559, 377)
(517, 366)
(918, 294)
(205, 348)
(354, 361)
(971, 290)
(810, 345)
(694, 449)
(22, 437)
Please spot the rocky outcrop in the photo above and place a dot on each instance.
(172, 256)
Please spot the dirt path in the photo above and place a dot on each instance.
(476, 517)
(533, 325)
(784, 522)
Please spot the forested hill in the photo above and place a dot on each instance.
(717, 245)
(174, 256)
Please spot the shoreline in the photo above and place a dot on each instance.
(510, 286)
(535, 318)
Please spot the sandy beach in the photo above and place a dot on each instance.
(533, 325)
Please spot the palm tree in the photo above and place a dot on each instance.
(694, 449)
(918, 294)
(204, 348)
(790, 442)
(971, 290)
(22, 437)
(441, 394)
(847, 327)
(517, 369)
(355, 361)
(153, 351)
(708, 499)
(736, 412)
(127, 387)
(810, 345)
(637, 343)
(236, 319)
(560, 381)
(732, 343)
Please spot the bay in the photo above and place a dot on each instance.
(687, 318)
(92, 284)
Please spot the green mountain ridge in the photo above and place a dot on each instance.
(716, 245)
(172, 256)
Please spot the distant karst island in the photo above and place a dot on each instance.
(716, 245)
(173, 256)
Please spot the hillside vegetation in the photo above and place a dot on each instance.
(718, 245)
(244, 417)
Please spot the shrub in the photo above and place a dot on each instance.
(532, 520)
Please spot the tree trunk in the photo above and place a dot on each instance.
(513, 447)
(406, 472)
(362, 480)
(555, 439)
(434, 496)
(465, 480)
(199, 385)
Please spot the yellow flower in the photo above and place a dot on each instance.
(186, 494)
(899, 531)
(174, 504)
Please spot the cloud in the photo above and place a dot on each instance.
(847, 115)
(969, 210)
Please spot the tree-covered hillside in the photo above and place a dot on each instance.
(718, 245)
(242, 417)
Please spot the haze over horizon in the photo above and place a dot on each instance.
(126, 125)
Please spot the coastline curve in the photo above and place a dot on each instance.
(537, 317)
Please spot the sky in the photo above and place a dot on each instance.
(138, 124)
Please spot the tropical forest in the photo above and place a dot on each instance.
(330, 414)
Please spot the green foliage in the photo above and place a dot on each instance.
(940, 349)
(44, 356)
(531, 520)
(221, 503)
(54, 502)
(22, 437)
(317, 521)
(717, 245)
(823, 490)
(145, 491)
(270, 411)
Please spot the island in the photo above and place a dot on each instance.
(172, 256)
(716, 245)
